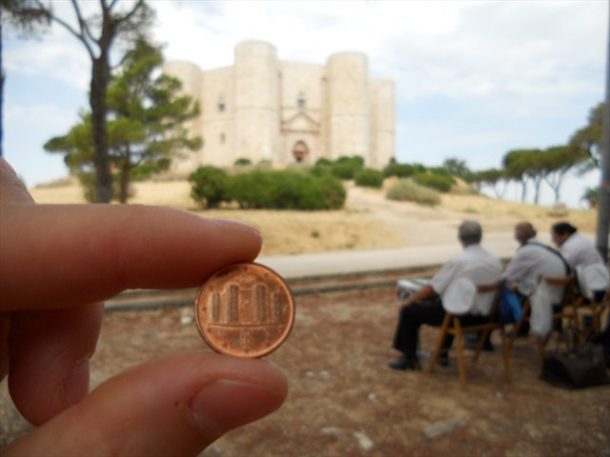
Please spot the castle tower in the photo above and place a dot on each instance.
(191, 77)
(257, 122)
(382, 123)
(348, 105)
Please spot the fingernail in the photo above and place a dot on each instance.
(237, 226)
(226, 404)
(76, 384)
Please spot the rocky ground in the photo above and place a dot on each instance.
(344, 401)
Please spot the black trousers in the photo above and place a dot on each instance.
(430, 312)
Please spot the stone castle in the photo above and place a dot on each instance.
(265, 109)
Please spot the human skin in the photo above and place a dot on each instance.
(57, 265)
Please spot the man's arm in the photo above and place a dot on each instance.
(519, 267)
(425, 293)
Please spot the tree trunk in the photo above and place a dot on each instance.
(557, 190)
(523, 190)
(125, 172)
(537, 190)
(97, 99)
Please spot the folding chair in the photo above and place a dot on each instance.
(593, 308)
(452, 325)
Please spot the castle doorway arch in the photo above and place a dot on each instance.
(300, 151)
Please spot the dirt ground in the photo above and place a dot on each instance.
(345, 401)
(368, 221)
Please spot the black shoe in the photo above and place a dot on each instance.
(404, 363)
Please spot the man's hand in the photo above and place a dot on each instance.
(57, 264)
(425, 293)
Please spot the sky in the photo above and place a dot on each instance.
(473, 79)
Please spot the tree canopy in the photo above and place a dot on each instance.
(146, 127)
(97, 33)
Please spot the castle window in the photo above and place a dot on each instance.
(222, 138)
(221, 105)
(301, 101)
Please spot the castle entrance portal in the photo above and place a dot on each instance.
(300, 151)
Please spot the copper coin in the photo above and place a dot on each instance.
(244, 310)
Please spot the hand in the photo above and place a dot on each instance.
(57, 263)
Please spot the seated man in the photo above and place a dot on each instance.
(583, 258)
(425, 306)
(532, 261)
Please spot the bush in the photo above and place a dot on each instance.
(407, 190)
(355, 160)
(287, 190)
(209, 186)
(323, 162)
(147, 169)
(344, 171)
(321, 170)
(368, 177)
(403, 170)
(346, 167)
(442, 183)
(242, 162)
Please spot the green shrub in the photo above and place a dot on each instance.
(323, 162)
(407, 190)
(209, 186)
(403, 170)
(367, 177)
(333, 192)
(146, 170)
(441, 171)
(321, 170)
(355, 160)
(286, 190)
(435, 181)
(344, 171)
(242, 162)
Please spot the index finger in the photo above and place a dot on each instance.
(64, 255)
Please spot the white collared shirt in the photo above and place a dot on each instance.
(476, 264)
(530, 262)
(579, 251)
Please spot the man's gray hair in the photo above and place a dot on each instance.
(470, 232)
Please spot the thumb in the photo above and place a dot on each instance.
(174, 406)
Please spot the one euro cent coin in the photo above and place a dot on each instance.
(244, 310)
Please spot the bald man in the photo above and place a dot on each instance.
(532, 261)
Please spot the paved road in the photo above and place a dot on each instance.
(345, 262)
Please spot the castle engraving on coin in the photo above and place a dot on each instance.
(245, 310)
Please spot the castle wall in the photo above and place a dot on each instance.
(251, 109)
(218, 117)
(190, 75)
(301, 81)
(348, 98)
(257, 120)
(382, 122)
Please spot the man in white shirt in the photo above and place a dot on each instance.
(532, 261)
(425, 305)
(581, 255)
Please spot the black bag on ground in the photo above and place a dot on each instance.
(584, 367)
(603, 339)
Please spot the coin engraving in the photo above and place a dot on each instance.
(245, 310)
